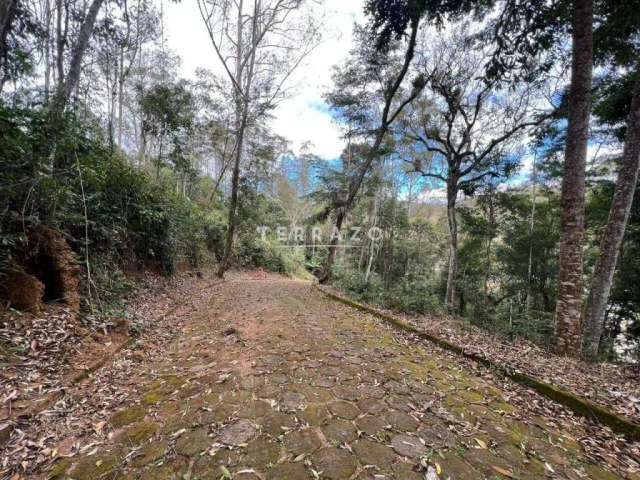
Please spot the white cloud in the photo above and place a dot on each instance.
(301, 117)
(597, 151)
(301, 122)
(433, 196)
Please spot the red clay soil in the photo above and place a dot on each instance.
(22, 291)
(44, 269)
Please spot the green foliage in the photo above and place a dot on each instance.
(215, 232)
(110, 287)
(129, 217)
(356, 285)
(409, 295)
(255, 211)
(26, 30)
(414, 296)
(613, 101)
(168, 117)
(508, 264)
(256, 253)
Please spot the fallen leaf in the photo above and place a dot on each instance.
(502, 471)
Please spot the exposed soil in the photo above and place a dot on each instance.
(263, 377)
(44, 270)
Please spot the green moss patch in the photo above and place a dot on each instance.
(150, 453)
(127, 416)
(262, 452)
(159, 473)
(192, 443)
(138, 432)
(59, 469)
(154, 397)
(94, 467)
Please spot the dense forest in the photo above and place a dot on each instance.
(485, 188)
(457, 120)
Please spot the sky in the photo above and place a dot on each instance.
(304, 117)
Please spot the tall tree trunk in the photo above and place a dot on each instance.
(233, 207)
(614, 232)
(7, 13)
(569, 303)
(142, 151)
(532, 220)
(47, 51)
(68, 85)
(385, 122)
(452, 193)
(113, 95)
(372, 244)
(327, 272)
(492, 229)
(374, 223)
(242, 115)
(60, 42)
(121, 79)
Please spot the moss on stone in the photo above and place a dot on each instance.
(158, 473)
(275, 424)
(189, 390)
(220, 413)
(503, 407)
(139, 432)
(261, 452)
(455, 467)
(59, 469)
(168, 408)
(579, 405)
(314, 414)
(172, 381)
(471, 396)
(127, 416)
(288, 471)
(150, 453)
(175, 423)
(153, 397)
(94, 467)
(192, 443)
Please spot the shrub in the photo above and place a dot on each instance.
(408, 295)
(253, 252)
(94, 196)
(413, 296)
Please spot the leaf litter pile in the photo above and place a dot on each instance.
(41, 355)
